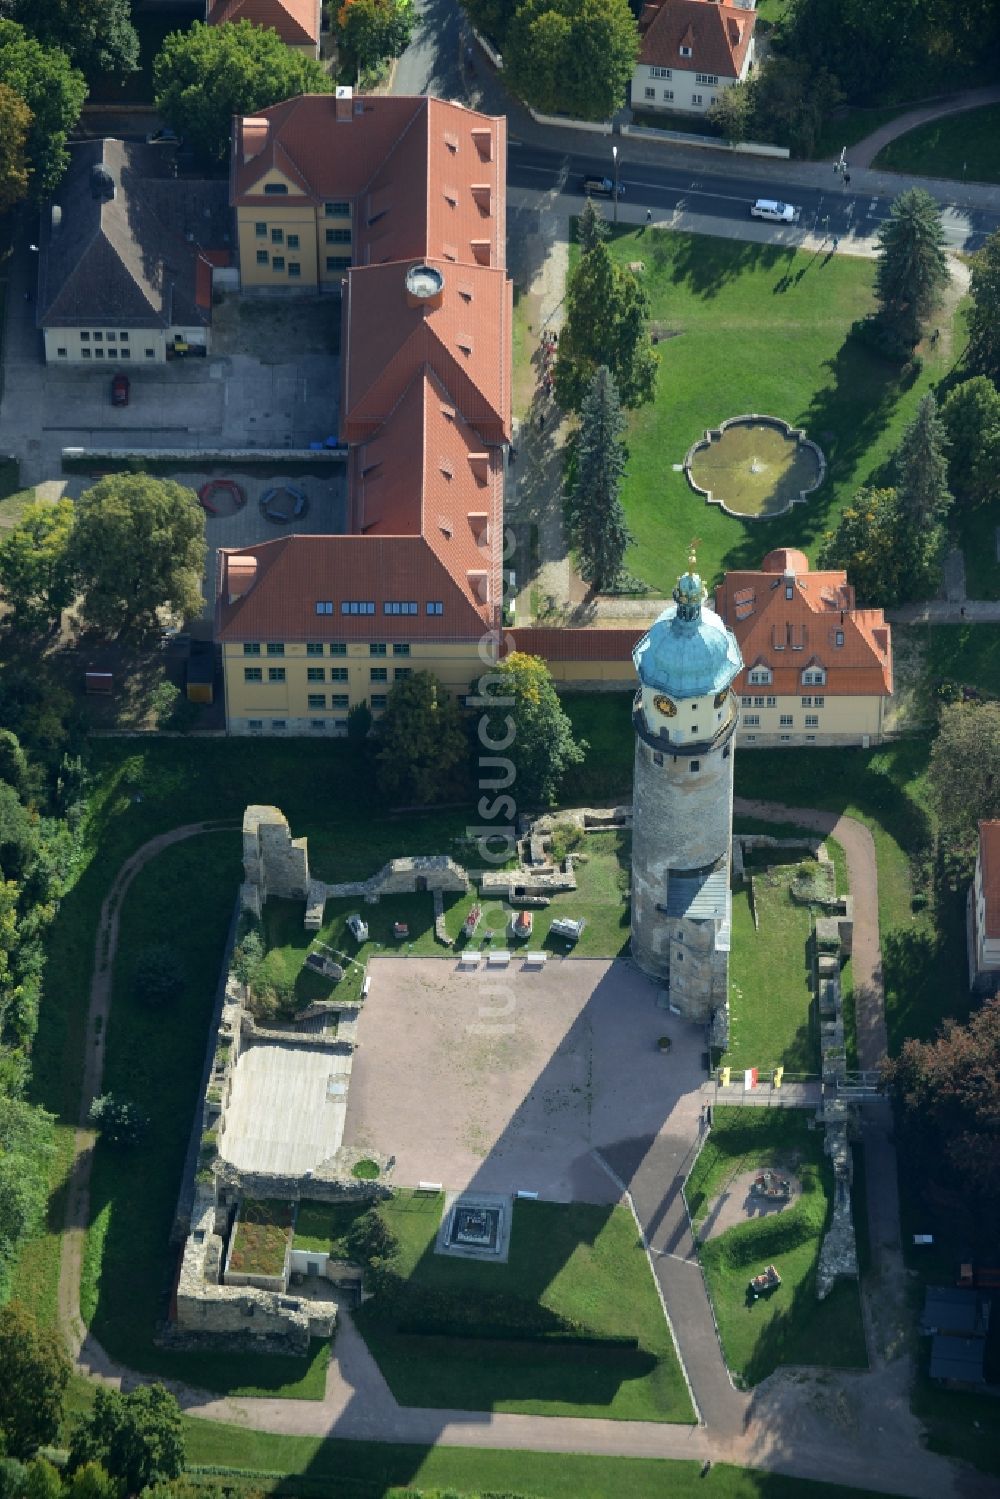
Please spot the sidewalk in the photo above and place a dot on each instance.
(865, 151)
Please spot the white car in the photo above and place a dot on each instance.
(357, 928)
(777, 213)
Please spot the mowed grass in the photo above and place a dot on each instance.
(582, 1262)
(331, 1469)
(753, 328)
(601, 900)
(772, 1019)
(964, 146)
(790, 1325)
(976, 534)
(184, 897)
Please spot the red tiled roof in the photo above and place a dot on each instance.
(295, 573)
(719, 36)
(989, 863)
(466, 340)
(577, 645)
(788, 634)
(296, 21)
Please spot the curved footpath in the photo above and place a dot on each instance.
(850, 1427)
(865, 152)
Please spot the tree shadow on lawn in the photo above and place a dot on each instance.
(706, 266)
(845, 417)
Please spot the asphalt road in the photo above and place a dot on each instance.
(723, 195)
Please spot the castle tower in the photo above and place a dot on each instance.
(685, 718)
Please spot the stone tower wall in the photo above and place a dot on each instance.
(274, 863)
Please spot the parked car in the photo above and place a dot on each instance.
(119, 390)
(357, 928)
(600, 187)
(164, 137)
(569, 930)
(775, 212)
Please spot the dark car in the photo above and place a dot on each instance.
(164, 137)
(600, 187)
(119, 390)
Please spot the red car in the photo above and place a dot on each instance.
(119, 390)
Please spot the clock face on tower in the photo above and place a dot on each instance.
(665, 705)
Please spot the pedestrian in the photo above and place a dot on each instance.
(541, 421)
(836, 243)
(649, 215)
(963, 611)
(847, 179)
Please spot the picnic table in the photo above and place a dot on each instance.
(767, 1280)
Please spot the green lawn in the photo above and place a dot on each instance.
(976, 535)
(185, 898)
(963, 655)
(753, 327)
(579, 1262)
(964, 146)
(772, 1005)
(853, 126)
(331, 1469)
(790, 1326)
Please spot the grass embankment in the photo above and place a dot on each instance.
(773, 1017)
(963, 146)
(591, 1339)
(790, 1325)
(754, 327)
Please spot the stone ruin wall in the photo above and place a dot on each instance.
(274, 863)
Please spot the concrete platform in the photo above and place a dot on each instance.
(287, 1109)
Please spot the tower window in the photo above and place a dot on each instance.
(694, 766)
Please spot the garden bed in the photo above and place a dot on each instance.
(261, 1236)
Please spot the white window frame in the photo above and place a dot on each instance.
(759, 676)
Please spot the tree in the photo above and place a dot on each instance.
(912, 270)
(606, 315)
(491, 17)
(971, 416)
(572, 56)
(867, 542)
(14, 768)
(43, 1480)
(359, 723)
(789, 102)
(121, 1122)
(204, 76)
(964, 775)
(138, 547)
(97, 35)
(137, 1437)
(36, 1373)
(159, 976)
(948, 1093)
(92, 1482)
(596, 515)
(422, 741)
(18, 834)
(732, 112)
(36, 570)
(15, 123)
(982, 354)
(528, 727)
(374, 31)
(922, 470)
(591, 226)
(53, 91)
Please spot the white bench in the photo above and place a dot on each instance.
(429, 1187)
(365, 987)
(500, 958)
(535, 959)
(468, 959)
(527, 1196)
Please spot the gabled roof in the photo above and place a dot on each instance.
(718, 35)
(788, 618)
(296, 21)
(464, 336)
(121, 251)
(295, 572)
(989, 863)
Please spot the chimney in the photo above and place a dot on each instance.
(241, 574)
(480, 524)
(481, 251)
(345, 104)
(253, 136)
(482, 194)
(482, 137)
(479, 582)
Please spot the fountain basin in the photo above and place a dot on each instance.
(754, 466)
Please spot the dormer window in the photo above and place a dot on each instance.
(838, 637)
(275, 189)
(814, 676)
(686, 52)
(759, 675)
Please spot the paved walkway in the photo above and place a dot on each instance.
(865, 152)
(849, 1427)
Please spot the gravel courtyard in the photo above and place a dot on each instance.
(510, 1080)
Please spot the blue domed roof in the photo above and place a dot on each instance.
(688, 652)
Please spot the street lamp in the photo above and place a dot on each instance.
(614, 158)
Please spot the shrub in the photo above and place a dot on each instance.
(163, 701)
(120, 1122)
(872, 333)
(159, 977)
(366, 1170)
(370, 1238)
(248, 956)
(566, 837)
(359, 722)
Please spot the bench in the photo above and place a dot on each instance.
(469, 959)
(365, 987)
(535, 959)
(499, 958)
